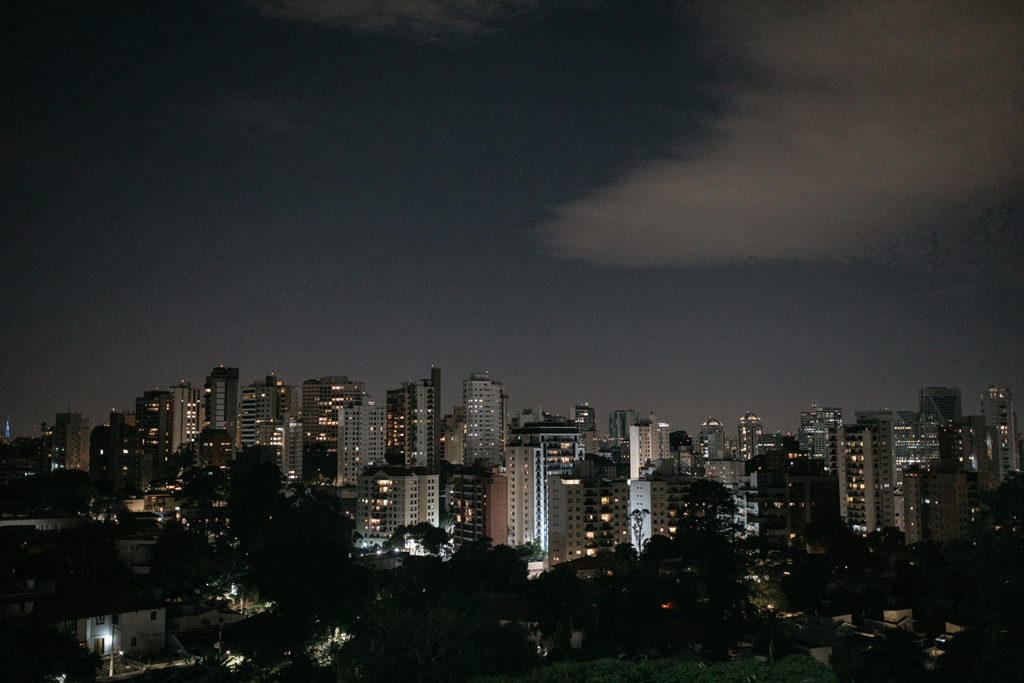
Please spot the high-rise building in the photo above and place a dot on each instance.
(997, 409)
(69, 442)
(648, 444)
(390, 497)
(789, 496)
(814, 427)
(585, 417)
(938, 406)
(537, 452)
(940, 502)
(486, 419)
(361, 439)
(153, 421)
(263, 404)
(863, 458)
(186, 414)
(479, 506)
(712, 440)
(969, 445)
(910, 445)
(663, 497)
(453, 433)
(220, 401)
(215, 448)
(603, 524)
(619, 423)
(749, 435)
(115, 453)
(412, 421)
(321, 401)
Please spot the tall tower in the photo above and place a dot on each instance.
(412, 411)
(153, 422)
(537, 452)
(186, 414)
(938, 406)
(864, 462)
(997, 409)
(361, 441)
(814, 426)
(321, 401)
(585, 417)
(648, 443)
(712, 440)
(69, 442)
(220, 401)
(749, 435)
(486, 406)
(619, 422)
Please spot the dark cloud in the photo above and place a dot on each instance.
(850, 125)
(422, 19)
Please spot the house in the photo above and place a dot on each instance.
(106, 620)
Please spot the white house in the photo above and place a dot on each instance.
(106, 620)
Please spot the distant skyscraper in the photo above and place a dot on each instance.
(269, 419)
(619, 423)
(69, 442)
(153, 422)
(863, 459)
(186, 414)
(712, 440)
(814, 426)
(411, 422)
(453, 433)
(909, 443)
(220, 401)
(115, 453)
(648, 443)
(263, 404)
(361, 439)
(997, 409)
(585, 417)
(749, 435)
(321, 401)
(940, 405)
(486, 409)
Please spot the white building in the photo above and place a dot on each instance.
(749, 435)
(106, 621)
(863, 459)
(361, 440)
(390, 497)
(486, 410)
(536, 453)
(648, 444)
(585, 517)
(997, 408)
(521, 471)
(186, 414)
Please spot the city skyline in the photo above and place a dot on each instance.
(669, 207)
(731, 424)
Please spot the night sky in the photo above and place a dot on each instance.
(663, 206)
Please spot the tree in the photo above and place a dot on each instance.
(637, 518)
(33, 652)
(710, 506)
(428, 536)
